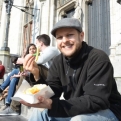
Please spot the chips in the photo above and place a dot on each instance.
(34, 89)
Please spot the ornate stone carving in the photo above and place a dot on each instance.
(63, 14)
(119, 1)
(29, 2)
(78, 10)
(88, 2)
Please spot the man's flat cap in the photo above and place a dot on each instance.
(67, 22)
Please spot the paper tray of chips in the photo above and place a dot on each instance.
(31, 98)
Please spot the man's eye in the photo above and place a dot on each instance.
(59, 37)
(69, 35)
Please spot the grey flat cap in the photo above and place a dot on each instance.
(67, 22)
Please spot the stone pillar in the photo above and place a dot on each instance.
(15, 41)
(51, 22)
(5, 50)
(36, 26)
(45, 17)
(3, 23)
(15, 32)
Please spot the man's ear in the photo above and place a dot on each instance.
(41, 43)
(82, 34)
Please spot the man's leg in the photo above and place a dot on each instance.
(7, 81)
(38, 115)
(15, 105)
(12, 89)
(104, 115)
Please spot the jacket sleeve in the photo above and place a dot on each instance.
(97, 89)
(42, 74)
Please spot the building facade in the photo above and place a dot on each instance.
(100, 20)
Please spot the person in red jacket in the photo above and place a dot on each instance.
(2, 70)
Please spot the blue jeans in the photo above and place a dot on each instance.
(12, 85)
(103, 115)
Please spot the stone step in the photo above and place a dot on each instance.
(12, 118)
(26, 112)
(1, 81)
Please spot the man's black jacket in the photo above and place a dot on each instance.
(87, 83)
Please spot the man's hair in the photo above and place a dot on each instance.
(44, 38)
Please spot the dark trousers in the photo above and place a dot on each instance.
(15, 105)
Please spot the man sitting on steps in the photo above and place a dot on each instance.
(83, 73)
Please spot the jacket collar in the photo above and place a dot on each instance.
(79, 58)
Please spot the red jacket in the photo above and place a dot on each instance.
(2, 71)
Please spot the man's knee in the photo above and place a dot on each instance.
(78, 118)
(102, 115)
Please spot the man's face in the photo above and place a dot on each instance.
(69, 41)
(38, 44)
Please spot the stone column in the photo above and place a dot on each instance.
(15, 40)
(36, 26)
(5, 50)
(51, 22)
(3, 23)
(15, 33)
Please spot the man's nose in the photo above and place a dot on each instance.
(65, 39)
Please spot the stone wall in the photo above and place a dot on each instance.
(115, 48)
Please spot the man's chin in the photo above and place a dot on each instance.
(68, 55)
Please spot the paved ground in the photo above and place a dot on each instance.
(12, 118)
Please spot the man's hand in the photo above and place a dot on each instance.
(15, 76)
(24, 73)
(43, 103)
(30, 65)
